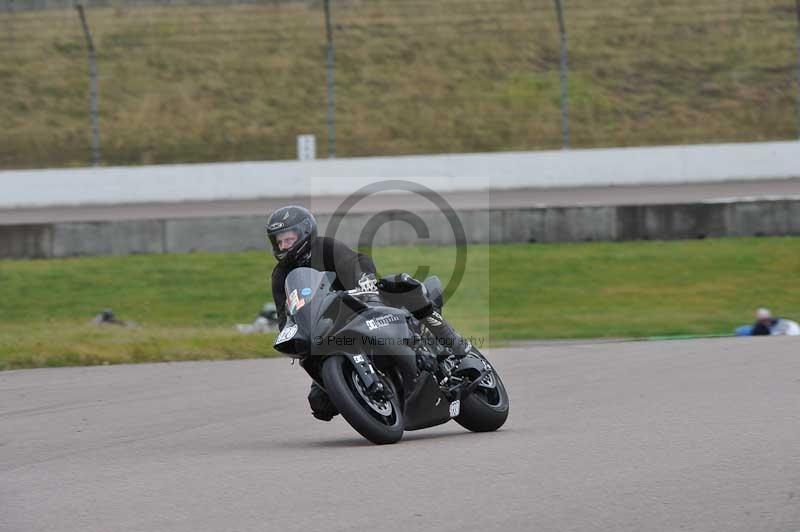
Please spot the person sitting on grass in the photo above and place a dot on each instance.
(766, 325)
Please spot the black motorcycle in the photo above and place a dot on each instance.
(383, 369)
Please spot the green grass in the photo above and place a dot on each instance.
(188, 84)
(187, 305)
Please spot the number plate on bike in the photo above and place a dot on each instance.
(286, 334)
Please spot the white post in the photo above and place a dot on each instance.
(306, 147)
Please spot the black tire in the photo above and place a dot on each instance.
(337, 374)
(485, 409)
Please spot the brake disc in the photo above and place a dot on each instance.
(383, 408)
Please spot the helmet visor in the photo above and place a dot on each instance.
(284, 240)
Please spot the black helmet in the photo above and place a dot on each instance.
(292, 218)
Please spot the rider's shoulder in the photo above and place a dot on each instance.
(279, 272)
(327, 242)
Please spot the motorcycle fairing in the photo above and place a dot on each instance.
(426, 406)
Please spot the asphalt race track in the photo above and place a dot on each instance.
(642, 436)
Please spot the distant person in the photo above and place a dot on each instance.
(764, 323)
(767, 325)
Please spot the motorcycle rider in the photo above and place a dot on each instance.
(292, 233)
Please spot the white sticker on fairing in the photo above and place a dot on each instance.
(455, 408)
(286, 334)
(358, 359)
(382, 321)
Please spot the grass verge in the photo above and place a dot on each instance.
(187, 305)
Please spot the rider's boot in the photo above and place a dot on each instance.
(322, 407)
(447, 337)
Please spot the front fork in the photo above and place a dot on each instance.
(366, 372)
(368, 375)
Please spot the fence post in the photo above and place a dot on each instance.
(797, 13)
(93, 111)
(564, 68)
(10, 21)
(331, 87)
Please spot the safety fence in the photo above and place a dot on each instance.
(166, 81)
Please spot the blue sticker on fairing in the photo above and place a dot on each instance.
(305, 292)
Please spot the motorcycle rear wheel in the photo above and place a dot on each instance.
(486, 408)
(381, 422)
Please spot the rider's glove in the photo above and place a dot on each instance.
(402, 290)
(398, 284)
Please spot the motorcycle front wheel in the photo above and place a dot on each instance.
(379, 421)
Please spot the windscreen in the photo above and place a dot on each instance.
(303, 284)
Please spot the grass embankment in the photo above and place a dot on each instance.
(187, 305)
(222, 83)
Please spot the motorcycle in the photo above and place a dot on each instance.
(382, 368)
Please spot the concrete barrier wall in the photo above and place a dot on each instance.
(553, 224)
(443, 173)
